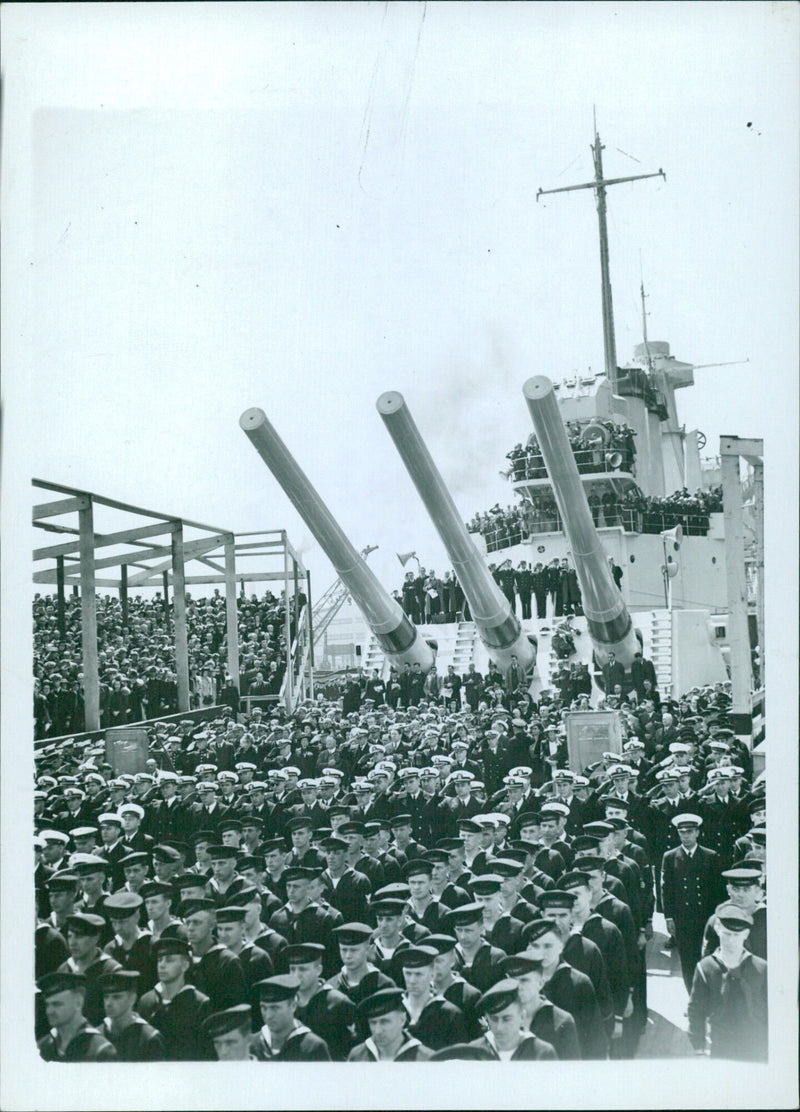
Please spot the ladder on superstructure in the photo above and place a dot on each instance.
(331, 601)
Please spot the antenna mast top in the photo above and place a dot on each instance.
(599, 185)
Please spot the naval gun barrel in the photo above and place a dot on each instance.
(496, 623)
(398, 637)
(609, 623)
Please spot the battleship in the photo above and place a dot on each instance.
(596, 483)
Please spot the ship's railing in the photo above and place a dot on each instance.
(590, 461)
(604, 517)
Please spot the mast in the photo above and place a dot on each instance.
(599, 185)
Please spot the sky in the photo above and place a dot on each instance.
(208, 207)
(299, 207)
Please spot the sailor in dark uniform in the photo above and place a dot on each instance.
(541, 1017)
(230, 1033)
(449, 983)
(567, 988)
(216, 972)
(578, 951)
(728, 1002)
(422, 907)
(83, 936)
(507, 1040)
(175, 1008)
(130, 946)
(257, 964)
(478, 961)
(71, 1038)
(389, 1039)
(345, 889)
(442, 887)
(113, 848)
(301, 919)
(132, 1037)
(283, 1038)
(588, 924)
(330, 1014)
(500, 929)
(433, 1020)
(744, 890)
(358, 977)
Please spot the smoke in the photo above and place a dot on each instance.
(475, 415)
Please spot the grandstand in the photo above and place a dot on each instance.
(179, 652)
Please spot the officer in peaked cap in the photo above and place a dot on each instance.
(691, 887)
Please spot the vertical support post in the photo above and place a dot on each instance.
(288, 684)
(91, 679)
(179, 625)
(74, 590)
(165, 583)
(310, 619)
(231, 612)
(758, 491)
(61, 612)
(738, 635)
(123, 594)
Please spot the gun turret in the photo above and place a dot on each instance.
(609, 623)
(497, 625)
(398, 637)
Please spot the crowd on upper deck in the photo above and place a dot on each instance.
(591, 451)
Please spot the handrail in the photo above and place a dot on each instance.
(629, 519)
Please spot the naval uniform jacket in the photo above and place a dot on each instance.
(608, 939)
(372, 981)
(485, 969)
(93, 1008)
(138, 1042)
(87, 1045)
(582, 954)
(349, 895)
(530, 1049)
(506, 934)
(219, 975)
(411, 1050)
(555, 1026)
(302, 1045)
(734, 1002)
(139, 958)
(691, 887)
(572, 991)
(723, 823)
(313, 924)
(331, 1016)
(466, 999)
(180, 1021)
(440, 1024)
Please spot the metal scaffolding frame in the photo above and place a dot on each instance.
(163, 565)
